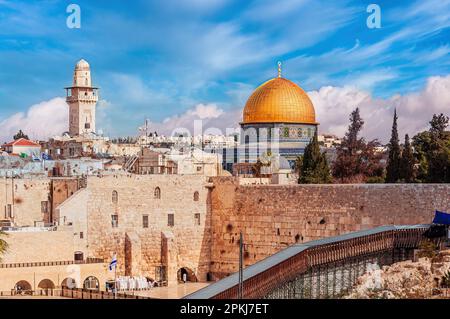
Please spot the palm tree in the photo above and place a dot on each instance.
(3, 245)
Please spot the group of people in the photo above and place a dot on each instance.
(133, 283)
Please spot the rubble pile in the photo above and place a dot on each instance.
(423, 278)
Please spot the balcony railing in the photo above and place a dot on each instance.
(53, 263)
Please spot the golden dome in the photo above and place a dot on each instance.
(279, 101)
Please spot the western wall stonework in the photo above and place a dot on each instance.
(272, 217)
(139, 250)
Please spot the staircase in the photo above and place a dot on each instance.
(130, 162)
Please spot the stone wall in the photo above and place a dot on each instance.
(143, 246)
(272, 217)
(57, 274)
(61, 189)
(73, 213)
(38, 246)
(25, 197)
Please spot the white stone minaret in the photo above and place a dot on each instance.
(82, 98)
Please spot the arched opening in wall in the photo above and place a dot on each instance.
(185, 274)
(22, 287)
(46, 286)
(157, 193)
(115, 197)
(69, 283)
(78, 256)
(91, 283)
(196, 196)
(151, 282)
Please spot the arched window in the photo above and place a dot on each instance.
(196, 196)
(115, 197)
(157, 193)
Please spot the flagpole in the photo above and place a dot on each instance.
(115, 281)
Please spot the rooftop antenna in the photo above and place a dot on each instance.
(279, 69)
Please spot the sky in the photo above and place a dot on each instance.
(177, 61)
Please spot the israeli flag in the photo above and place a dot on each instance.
(113, 263)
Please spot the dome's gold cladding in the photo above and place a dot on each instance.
(279, 101)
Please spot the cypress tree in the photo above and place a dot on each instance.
(407, 162)
(393, 164)
(314, 165)
(356, 160)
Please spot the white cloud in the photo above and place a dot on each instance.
(334, 104)
(210, 116)
(41, 121)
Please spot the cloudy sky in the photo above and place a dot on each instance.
(177, 61)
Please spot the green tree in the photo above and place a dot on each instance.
(356, 160)
(422, 144)
(439, 156)
(20, 134)
(432, 151)
(314, 167)
(407, 162)
(393, 163)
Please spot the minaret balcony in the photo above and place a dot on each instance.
(82, 98)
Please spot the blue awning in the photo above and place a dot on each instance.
(441, 218)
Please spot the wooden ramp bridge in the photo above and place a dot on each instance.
(325, 268)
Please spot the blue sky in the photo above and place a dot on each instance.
(160, 59)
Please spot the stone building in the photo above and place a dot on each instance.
(82, 98)
(23, 146)
(148, 161)
(30, 202)
(278, 119)
(161, 226)
(156, 224)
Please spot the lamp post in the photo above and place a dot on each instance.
(241, 266)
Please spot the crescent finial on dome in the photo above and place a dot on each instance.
(279, 69)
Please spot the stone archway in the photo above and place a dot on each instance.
(152, 282)
(46, 286)
(22, 286)
(91, 283)
(69, 282)
(188, 273)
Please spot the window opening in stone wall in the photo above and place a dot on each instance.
(145, 221)
(115, 197)
(114, 221)
(197, 219)
(157, 193)
(171, 220)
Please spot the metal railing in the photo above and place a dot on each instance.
(53, 263)
(79, 293)
(274, 272)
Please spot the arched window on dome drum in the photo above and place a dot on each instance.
(247, 141)
(115, 197)
(157, 193)
(309, 132)
(196, 196)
